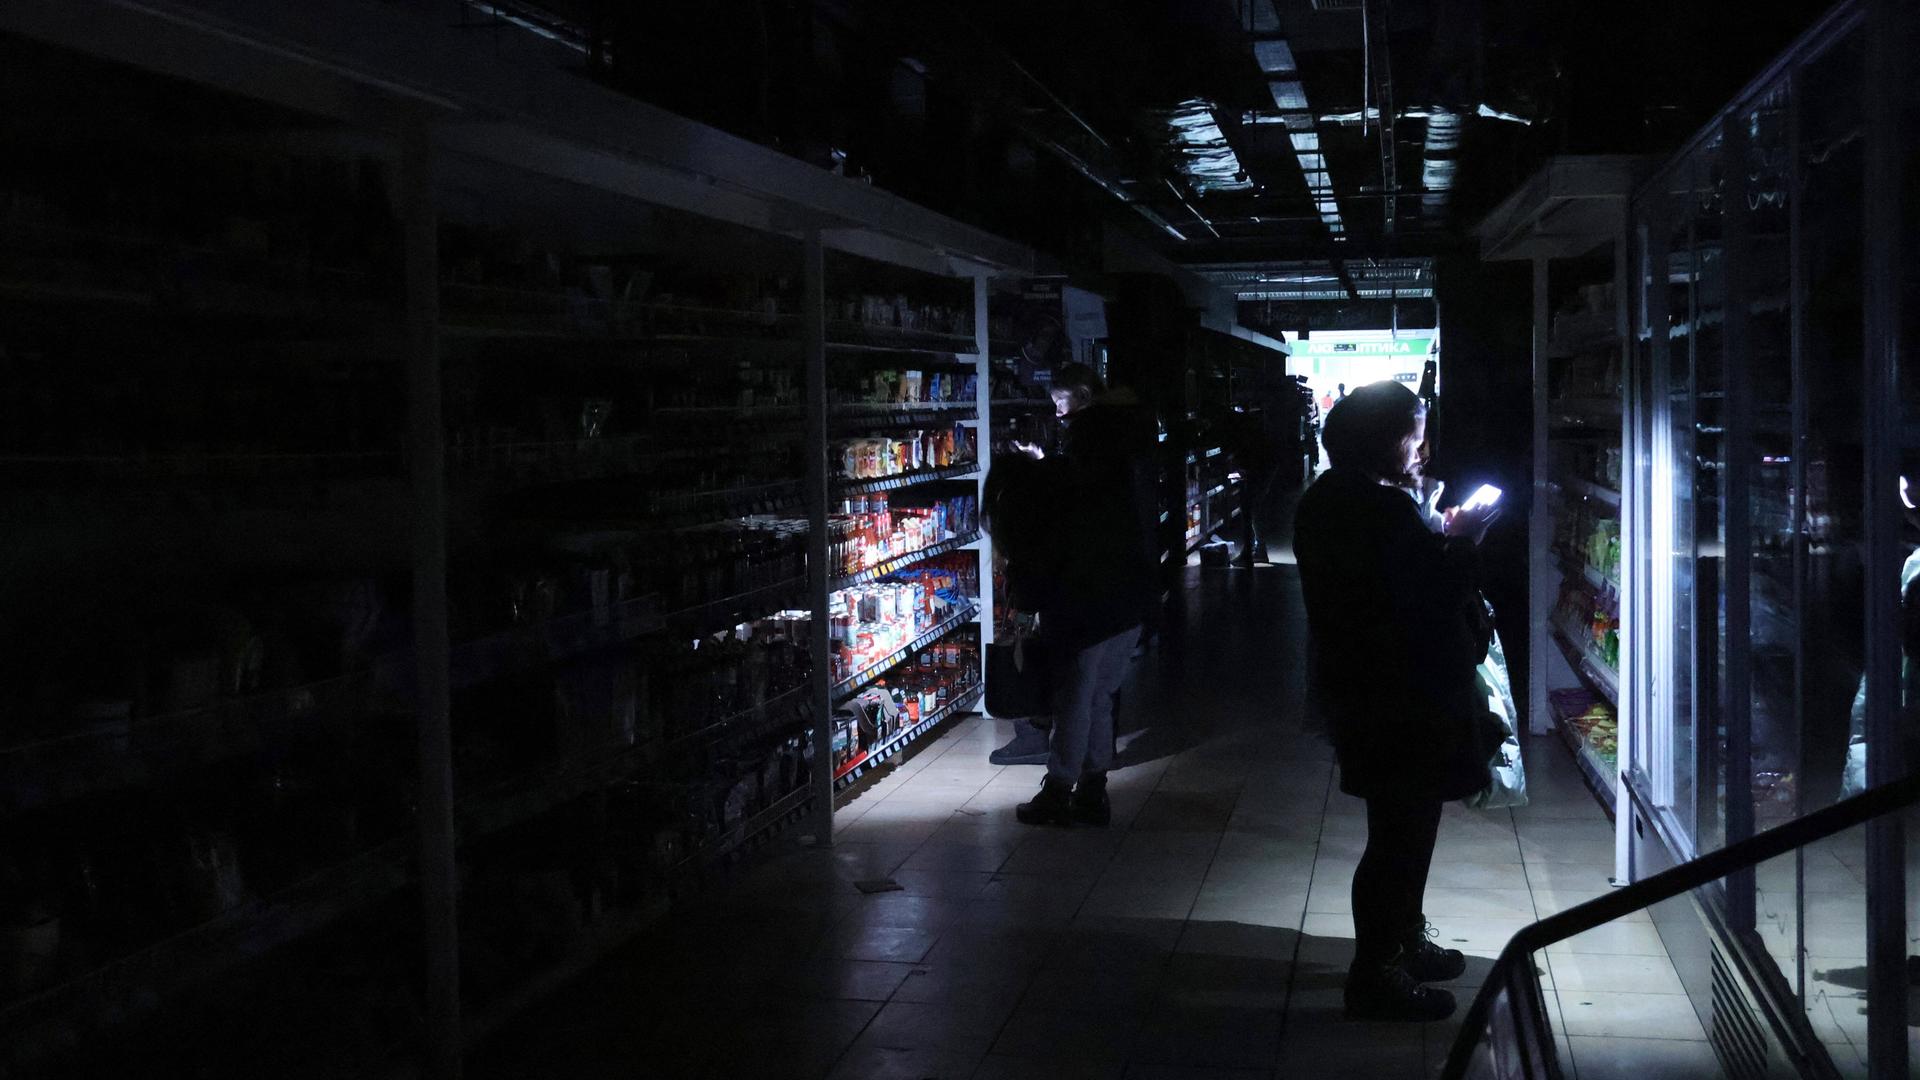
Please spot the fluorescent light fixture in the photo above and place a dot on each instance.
(1288, 95)
(1305, 141)
(1351, 118)
(1313, 162)
(1274, 57)
(1492, 113)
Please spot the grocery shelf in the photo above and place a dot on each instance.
(1021, 404)
(847, 352)
(116, 756)
(1602, 778)
(55, 1019)
(1586, 411)
(501, 498)
(709, 413)
(715, 615)
(1584, 332)
(854, 335)
(755, 830)
(593, 945)
(889, 411)
(1590, 489)
(901, 562)
(533, 794)
(476, 662)
(1586, 571)
(852, 771)
(920, 476)
(694, 510)
(494, 311)
(198, 467)
(1592, 668)
(866, 676)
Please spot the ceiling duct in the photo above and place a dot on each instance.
(1439, 163)
(1274, 56)
(1200, 148)
(1330, 279)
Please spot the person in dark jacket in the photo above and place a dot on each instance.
(1395, 617)
(1066, 529)
(1105, 460)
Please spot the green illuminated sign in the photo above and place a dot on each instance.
(1348, 350)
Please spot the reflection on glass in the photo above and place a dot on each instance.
(1909, 254)
(1835, 995)
(1829, 251)
(1706, 333)
(1678, 539)
(1766, 375)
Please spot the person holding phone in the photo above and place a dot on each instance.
(1391, 610)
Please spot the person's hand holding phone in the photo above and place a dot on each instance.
(1471, 518)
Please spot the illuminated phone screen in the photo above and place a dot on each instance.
(1486, 496)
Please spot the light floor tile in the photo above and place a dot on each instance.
(1603, 1058)
(1618, 938)
(1575, 972)
(1629, 1015)
(1552, 902)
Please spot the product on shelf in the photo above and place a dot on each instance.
(698, 684)
(900, 312)
(1592, 719)
(876, 457)
(910, 694)
(1591, 622)
(867, 623)
(907, 386)
(871, 529)
(1588, 533)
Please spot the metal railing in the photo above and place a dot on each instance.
(1511, 1008)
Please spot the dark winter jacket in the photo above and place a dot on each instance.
(1090, 572)
(1396, 622)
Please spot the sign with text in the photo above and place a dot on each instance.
(1416, 347)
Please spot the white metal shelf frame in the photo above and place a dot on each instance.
(1571, 208)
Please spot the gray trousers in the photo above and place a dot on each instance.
(1083, 707)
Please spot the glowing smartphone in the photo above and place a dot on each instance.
(1486, 496)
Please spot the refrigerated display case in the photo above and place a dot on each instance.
(1757, 560)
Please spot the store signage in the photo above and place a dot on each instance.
(1043, 288)
(1406, 376)
(1419, 346)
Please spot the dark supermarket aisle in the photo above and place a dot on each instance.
(1204, 935)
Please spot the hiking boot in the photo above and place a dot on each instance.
(1030, 746)
(1090, 803)
(1428, 962)
(1053, 806)
(1386, 992)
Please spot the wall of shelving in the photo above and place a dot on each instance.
(711, 554)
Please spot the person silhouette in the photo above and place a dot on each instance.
(1392, 654)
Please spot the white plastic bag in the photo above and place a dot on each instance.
(1508, 787)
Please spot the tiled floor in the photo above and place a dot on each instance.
(1205, 935)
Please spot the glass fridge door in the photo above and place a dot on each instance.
(1829, 261)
